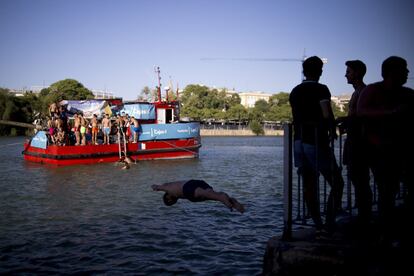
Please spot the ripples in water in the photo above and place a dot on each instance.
(98, 219)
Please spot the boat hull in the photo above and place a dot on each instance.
(92, 154)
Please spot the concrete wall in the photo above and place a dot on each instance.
(236, 132)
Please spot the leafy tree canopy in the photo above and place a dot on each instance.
(68, 89)
(20, 109)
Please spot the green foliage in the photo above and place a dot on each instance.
(67, 89)
(279, 99)
(197, 101)
(279, 108)
(24, 109)
(256, 127)
(12, 108)
(337, 112)
(233, 100)
(145, 94)
(7, 104)
(237, 112)
(70, 89)
(261, 106)
(202, 103)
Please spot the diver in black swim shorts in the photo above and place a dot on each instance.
(190, 186)
(195, 191)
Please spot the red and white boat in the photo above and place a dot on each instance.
(159, 140)
(162, 136)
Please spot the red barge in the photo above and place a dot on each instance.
(90, 154)
(162, 136)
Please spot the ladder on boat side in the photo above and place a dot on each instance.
(122, 147)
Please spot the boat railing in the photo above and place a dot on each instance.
(295, 210)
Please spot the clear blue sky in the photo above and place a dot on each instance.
(114, 45)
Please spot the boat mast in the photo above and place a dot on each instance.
(157, 70)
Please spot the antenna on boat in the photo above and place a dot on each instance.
(177, 92)
(157, 70)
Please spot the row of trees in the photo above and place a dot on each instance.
(202, 103)
(32, 106)
(197, 102)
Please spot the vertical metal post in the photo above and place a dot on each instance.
(287, 181)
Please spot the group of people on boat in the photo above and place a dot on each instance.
(78, 130)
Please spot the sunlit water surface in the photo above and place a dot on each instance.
(99, 219)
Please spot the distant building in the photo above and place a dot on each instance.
(33, 89)
(100, 94)
(17, 92)
(248, 99)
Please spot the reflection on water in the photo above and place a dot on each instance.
(101, 219)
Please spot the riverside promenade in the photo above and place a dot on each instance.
(238, 132)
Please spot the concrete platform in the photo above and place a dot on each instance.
(352, 249)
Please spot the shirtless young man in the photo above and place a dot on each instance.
(135, 129)
(106, 128)
(83, 126)
(120, 123)
(76, 128)
(195, 191)
(94, 124)
(53, 109)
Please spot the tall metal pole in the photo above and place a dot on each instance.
(157, 70)
(287, 181)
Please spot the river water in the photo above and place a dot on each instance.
(99, 219)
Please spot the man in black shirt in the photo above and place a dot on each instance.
(313, 123)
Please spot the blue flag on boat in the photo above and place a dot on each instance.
(140, 111)
(169, 131)
(39, 140)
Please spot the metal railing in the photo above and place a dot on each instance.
(293, 196)
(295, 211)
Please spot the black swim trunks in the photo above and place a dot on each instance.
(190, 186)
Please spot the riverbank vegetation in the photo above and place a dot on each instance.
(197, 102)
(31, 106)
(205, 104)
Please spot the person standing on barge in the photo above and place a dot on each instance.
(106, 127)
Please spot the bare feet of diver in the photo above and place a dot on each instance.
(236, 205)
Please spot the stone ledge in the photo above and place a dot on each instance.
(351, 250)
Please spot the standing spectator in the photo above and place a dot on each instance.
(95, 129)
(387, 111)
(53, 109)
(135, 129)
(76, 128)
(51, 128)
(106, 127)
(83, 126)
(355, 156)
(313, 126)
